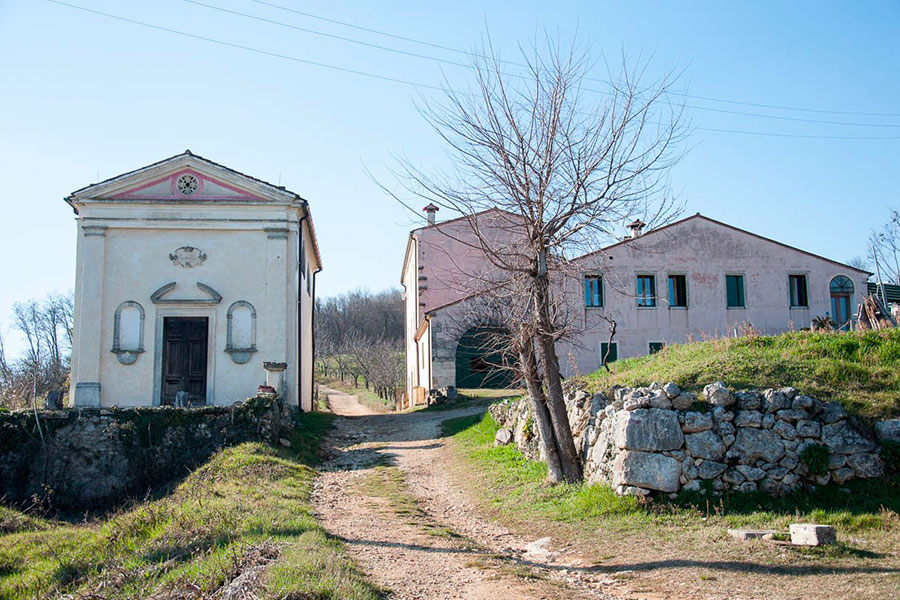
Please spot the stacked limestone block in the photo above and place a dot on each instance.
(660, 439)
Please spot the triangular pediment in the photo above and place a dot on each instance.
(185, 184)
(184, 178)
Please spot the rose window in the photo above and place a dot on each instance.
(187, 184)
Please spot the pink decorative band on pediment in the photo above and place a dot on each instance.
(194, 186)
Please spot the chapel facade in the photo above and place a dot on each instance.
(194, 285)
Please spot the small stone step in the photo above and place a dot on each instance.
(749, 534)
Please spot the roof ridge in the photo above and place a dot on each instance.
(186, 153)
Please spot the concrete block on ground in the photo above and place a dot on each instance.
(810, 534)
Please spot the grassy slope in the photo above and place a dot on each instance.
(13, 521)
(619, 532)
(859, 369)
(248, 501)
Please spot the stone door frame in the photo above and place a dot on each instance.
(185, 310)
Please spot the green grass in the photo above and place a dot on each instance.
(861, 370)
(247, 505)
(14, 521)
(515, 486)
(518, 483)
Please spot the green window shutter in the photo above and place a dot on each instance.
(734, 287)
(613, 352)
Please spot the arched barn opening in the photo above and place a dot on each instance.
(480, 359)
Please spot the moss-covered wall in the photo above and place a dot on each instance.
(91, 457)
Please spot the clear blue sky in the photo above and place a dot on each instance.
(83, 96)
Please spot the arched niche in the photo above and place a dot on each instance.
(128, 332)
(241, 334)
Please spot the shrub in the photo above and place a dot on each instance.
(815, 457)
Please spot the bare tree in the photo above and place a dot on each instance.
(46, 326)
(563, 168)
(884, 249)
(360, 334)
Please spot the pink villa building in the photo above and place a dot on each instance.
(692, 279)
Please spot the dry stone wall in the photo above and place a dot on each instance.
(660, 439)
(90, 457)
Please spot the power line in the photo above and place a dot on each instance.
(469, 66)
(325, 34)
(800, 135)
(471, 54)
(395, 79)
(247, 48)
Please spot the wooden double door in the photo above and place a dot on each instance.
(184, 359)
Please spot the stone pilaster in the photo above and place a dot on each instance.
(88, 343)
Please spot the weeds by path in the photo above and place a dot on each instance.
(682, 543)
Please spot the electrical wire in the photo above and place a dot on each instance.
(397, 79)
(513, 63)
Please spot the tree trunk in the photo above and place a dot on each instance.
(541, 414)
(568, 455)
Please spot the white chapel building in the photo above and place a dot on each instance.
(194, 284)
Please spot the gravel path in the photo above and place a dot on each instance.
(483, 560)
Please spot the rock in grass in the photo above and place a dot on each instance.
(503, 437)
(810, 534)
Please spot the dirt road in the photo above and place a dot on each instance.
(384, 491)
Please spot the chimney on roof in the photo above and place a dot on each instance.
(636, 227)
(430, 210)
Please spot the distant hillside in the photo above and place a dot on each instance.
(859, 369)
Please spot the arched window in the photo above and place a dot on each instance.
(241, 339)
(128, 332)
(841, 285)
